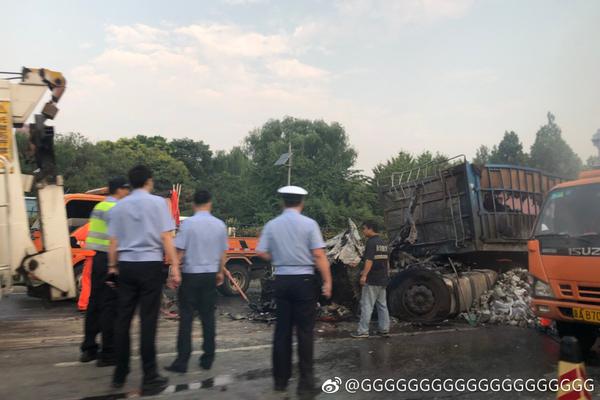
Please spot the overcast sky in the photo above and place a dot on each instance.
(439, 75)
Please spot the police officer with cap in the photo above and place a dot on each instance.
(294, 245)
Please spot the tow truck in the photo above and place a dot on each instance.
(47, 269)
(564, 259)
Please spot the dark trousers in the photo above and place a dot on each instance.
(139, 283)
(198, 293)
(101, 310)
(296, 300)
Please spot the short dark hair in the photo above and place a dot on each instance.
(202, 196)
(371, 224)
(292, 200)
(139, 175)
(117, 183)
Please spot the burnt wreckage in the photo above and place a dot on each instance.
(452, 226)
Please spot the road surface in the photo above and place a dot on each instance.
(39, 349)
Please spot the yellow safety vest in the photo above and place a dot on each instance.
(97, 238)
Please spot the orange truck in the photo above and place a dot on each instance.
(564, 259)
(242, 261)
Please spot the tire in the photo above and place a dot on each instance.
(585, 334)
(240, 273)
(419, 296)
(78, 274)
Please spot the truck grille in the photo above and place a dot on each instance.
(566, 290)
(589, 292)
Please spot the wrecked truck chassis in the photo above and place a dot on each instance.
(422, 295)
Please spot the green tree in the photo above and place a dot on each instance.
(551, 153)
(196, 155)
(235, 198)
(509, 151)
(323, 162)
(482, 155)
(404, 161)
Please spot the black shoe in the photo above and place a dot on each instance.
(306, 385)
(118, 380)
(155, 385)
(117, 384)
(106, 362)
(88, 356)
(280, 386)
(307, 389)
(176, 368)
(206, 361)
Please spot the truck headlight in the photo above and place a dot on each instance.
(542, 289)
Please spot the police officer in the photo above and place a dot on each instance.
(101, 309)
(202, 243)
(140, 233)
(294, 244)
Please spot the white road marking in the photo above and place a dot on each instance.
(268, 346)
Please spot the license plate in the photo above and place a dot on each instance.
(582, 314)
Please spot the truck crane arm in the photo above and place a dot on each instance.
(50, 268)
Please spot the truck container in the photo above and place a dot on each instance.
(452, 225)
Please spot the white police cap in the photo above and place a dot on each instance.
(297, 190)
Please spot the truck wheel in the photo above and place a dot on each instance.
(419, 296)
(585, 334)
(240, 273)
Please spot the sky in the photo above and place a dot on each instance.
(413, 75)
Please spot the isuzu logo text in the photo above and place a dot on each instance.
(584, 251)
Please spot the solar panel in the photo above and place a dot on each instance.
(282, 159)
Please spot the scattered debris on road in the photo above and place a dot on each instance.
(507, 303)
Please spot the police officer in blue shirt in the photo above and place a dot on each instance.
(294, 244)
(202, 244)
(140, 236)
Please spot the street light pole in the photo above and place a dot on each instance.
(290, 164)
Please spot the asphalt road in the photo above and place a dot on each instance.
(39, 348)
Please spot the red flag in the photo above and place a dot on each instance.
(175, 206)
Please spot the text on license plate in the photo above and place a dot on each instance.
(586, 315)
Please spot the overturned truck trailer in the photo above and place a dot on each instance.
(451, 225)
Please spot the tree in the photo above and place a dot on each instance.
(551, 153)
(196, 155)
(509, 151)
(235, 198)
(323, 162)
(404, 161)
(482, 155)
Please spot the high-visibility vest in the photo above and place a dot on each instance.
(97, 238)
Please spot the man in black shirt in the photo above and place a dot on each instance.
(374, 279)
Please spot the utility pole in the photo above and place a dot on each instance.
(286, 160)
(290, 163)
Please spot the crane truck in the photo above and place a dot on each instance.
(47, 269)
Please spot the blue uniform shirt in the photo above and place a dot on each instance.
(290, 239)
(137, 221)
(204, 239)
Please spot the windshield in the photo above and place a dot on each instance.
(572, 211)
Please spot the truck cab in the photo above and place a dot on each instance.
(564, 258)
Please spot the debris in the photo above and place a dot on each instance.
(507, 303)
(347, 247)
(334, 313)
(236, 317)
